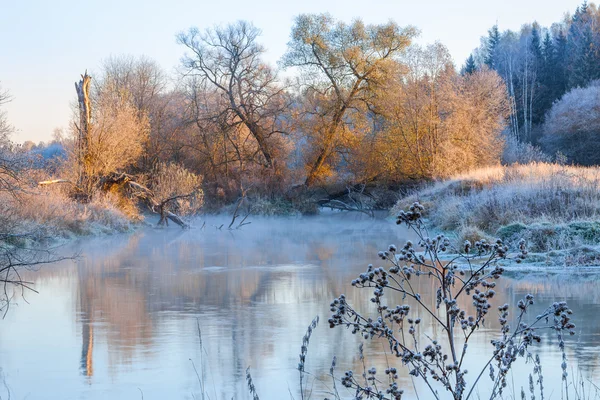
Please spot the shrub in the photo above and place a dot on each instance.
(519, 152)
(260, 205)
(573, 124)
(542, 237)
(179, 187)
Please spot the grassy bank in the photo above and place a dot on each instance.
(554, 207)
(50, 214)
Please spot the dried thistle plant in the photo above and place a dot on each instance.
(469, 271)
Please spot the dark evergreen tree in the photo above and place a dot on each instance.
(535, 45)
(470, 66)
(559, 66)
(538, 103)
(548, 50)
(492, 47)
(582, 49)
(547, 77)
(583, 66)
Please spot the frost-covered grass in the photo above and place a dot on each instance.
(552, 206)
(49, 213)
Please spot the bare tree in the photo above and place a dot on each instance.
(342, 64)
(147, 87)
(228, 59)
(5, 128)
(10, 162)
(141, 77)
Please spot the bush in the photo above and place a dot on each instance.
(519, 152)
(573, 125)
(270, 207)
(174, 184)
(542, 237)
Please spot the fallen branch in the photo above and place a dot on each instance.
(142, 192)
(340, 205)
(236, 215)
(353, 204)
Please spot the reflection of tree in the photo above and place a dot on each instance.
(126, 294)
(87, 348)
(108, 298)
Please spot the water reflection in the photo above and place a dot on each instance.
(127, 315)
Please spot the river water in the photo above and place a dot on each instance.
(172, 314)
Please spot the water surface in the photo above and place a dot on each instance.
(126, 318)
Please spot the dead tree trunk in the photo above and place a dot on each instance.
(83, 138)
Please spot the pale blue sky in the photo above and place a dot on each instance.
(46, 44)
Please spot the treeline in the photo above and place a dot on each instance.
(539, 65)
(364, 105)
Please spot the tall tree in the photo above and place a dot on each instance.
(583, 67)
(547, 78)
(492, 42)
(146, 85)
(229, 59)
(583, 48)
(535, 44)
(537, 91)
(559, 65)
(342, 66)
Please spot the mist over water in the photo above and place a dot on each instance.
(123, 319)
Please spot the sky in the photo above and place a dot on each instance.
(46, 44)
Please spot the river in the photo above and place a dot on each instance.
(125, 319)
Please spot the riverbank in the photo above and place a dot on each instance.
(49, 215)
(555, 208)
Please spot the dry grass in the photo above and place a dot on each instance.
(536, 194)
(51, 213)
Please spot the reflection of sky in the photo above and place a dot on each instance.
(125, 316)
